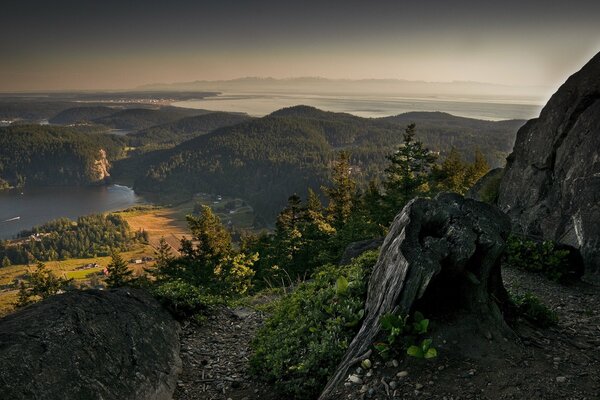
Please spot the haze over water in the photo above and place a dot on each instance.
(371, 106)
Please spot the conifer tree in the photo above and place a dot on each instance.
(211, 245)
(479, 168)
(163, 268)
(118, 272)
(342, 192)
(408, 174)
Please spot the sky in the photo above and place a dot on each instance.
(68, 45)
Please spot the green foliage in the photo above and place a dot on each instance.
(405, 333)
(530, 307)
(89, 236)
(236, 273)
(423, 350)
(456, 175)
(303, 341)
(541, 257)
(208, 260)
(173, 133)
(118, 273)
(341, 193)
(293, 149)
(408, 174)
(40, 284)
(185, 300)
(53, 155)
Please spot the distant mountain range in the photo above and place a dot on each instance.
(396, 87)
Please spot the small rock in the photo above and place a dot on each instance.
(418, 386)
(393, 385)
(561, 379)
(355, 379)
(402, 374)
(395, 363)
(359, 371)
(371, 392)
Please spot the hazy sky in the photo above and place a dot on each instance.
(80, 44)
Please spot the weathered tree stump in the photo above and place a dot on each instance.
(440, 254)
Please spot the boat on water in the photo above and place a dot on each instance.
(12, 219)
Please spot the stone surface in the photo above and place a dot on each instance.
(443, 254)
(355, 249)
(117, 344)
(551, 185)
(486, 188)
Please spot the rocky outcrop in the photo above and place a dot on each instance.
(100, 168)
(118, 344)
(551, 185)
(355, 249)
(486, 188)
(442, 256)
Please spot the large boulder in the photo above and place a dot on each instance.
(440, 256)
(551, 184)
(117, 344)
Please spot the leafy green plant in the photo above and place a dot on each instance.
(542, 257)
(404, 334)
(531, 308)
(300, 345)
(424, 350)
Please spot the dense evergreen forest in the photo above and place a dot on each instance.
(174, 152)
(48, 155)
(173, 133)
(263, 160)
(140, 118)
(89, 236)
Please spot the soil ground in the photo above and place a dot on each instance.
(561, 362)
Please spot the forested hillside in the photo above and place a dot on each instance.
(141, 118)
(185, 128)
(263, 160)
(50, 155)
(82, 114)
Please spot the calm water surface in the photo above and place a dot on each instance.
(21, 210)
(260, 104)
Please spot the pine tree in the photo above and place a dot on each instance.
(163, 268)
(6, 262)
(118, 272)
(341, 194)
(408, 174)
(211, 246)
(40, 284)
(479, 168)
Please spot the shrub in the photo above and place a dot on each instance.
(185, 300)
(531, 308)
(39, 285)
(542, 257)
(301, 344)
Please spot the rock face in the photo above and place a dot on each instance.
(118, 344)
(101, 167)
(441, 255)
(551, 185)
(355, 249)
(486, 188)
